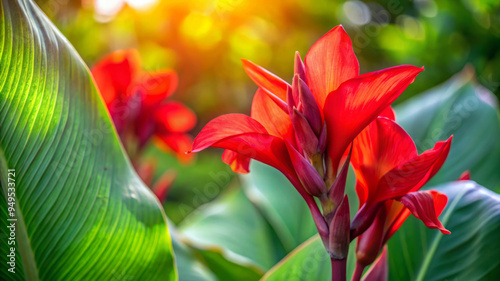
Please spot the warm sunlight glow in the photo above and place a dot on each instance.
(110, 8)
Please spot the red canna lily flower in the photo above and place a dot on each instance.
(291, 126)
(136, 101)
(304, 129)
(389, 173)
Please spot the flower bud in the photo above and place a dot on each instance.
(339, 240)
(295, 90)
(337, 189)
(364, 218)
(313, 183)
(309, 107)
(290, 101)
(370, 242)
(299, 68)
(322, 140)
(379, 270)
(305, 135)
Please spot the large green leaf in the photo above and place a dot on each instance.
(470, 252)
(82, 213)
(283, 207)
(197, 262)
(231, 227)
(468, 111)
(309, 261)
(190, 265)
(280, 204)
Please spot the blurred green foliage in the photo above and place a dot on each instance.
(205, 39)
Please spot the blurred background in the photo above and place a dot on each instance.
(204, 40)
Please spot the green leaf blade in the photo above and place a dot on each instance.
(466, 110)
(86, 214)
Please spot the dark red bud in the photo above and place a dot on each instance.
(309, 107)
(364, 218)
(299, 68)
(322, 140)
(289, 101)
(338, 245)
(379, 271)
(337, 189)
(305, 135)
(295, 90)
(311, 180)
(370, 242)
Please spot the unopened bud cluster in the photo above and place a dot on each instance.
(311, 137)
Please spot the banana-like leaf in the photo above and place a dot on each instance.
(463, 108)
(231, 233)
(309, 261)
(280, 204)
(189, 265)
(81, 211)
(469, 253)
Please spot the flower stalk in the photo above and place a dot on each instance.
(358, 272)
(339, 269)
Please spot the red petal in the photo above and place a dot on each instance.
(266, 80)
(267, 149)
(350, 108)
(226, 126)
(465, 176)
(115, 73)
(361, 190)
(271, 116)
(304, 133)
(413, 174)
(147, 171)
(174, 117)
(379, 148)
(397, 214)
(329, 62)
(178, 143)
(156, 86)
(309, 177)
(246, 136)
(427, 206)
(388, 113)
(238, 163)
(379, 271)
(163, 184)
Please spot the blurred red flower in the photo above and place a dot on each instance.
(137, 102)
(389, 173)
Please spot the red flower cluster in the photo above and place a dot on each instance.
(137, 102)
(328, 117)
(389, 174)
